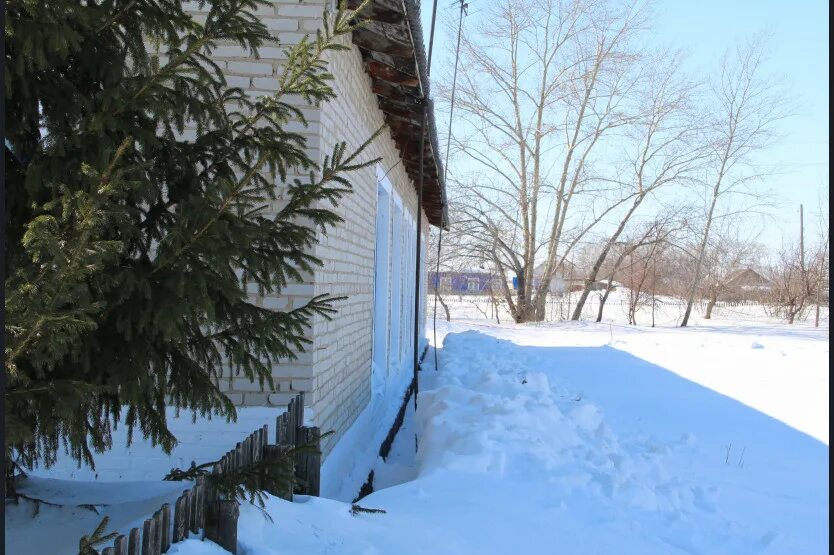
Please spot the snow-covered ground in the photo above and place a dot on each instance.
(576, 437)
(593, 438)
(662, 310)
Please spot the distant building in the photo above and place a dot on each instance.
(747, 284)
(464, 282)
(750, 279)
(567, 278)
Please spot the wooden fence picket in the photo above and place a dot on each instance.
(201, 511)
(194, 499)
(120, 545)
(147, 536)
(180, 519)
(282, 434)
(188, 506)
(166, 527)
(273, 453)
(201, 508)
(133, 546)
(156, 541)
(300, 409)
(291, 423)
(308, 468)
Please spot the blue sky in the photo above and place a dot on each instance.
(799, 56)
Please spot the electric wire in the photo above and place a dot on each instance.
(415, 381)
(463, 9)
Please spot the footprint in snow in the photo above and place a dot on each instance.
(756, 345)
(705, 498)
(768, 539)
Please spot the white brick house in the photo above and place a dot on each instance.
(367, 348)
(370, 258)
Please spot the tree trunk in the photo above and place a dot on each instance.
(586, 291)
(710, 306)
(604, 298)
(530, 313)
(690, 300)
(592, 276)
(445, 308)
(540, 309)
(716, 191)
(524, 309)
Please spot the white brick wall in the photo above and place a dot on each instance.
(336, 371)
(259, 77)
(343, 346)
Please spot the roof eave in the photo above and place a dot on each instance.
(394, 57)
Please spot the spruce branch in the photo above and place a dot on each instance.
(76, 260)
(87, 544)
(357, 509)
(127, 239)
(250, 482)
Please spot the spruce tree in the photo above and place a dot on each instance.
(130, 247)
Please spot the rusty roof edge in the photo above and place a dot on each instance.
(415, 29)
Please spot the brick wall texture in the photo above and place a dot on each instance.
(335, 372)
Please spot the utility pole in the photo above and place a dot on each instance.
(802, 241)
(802, 273)
(806, 282)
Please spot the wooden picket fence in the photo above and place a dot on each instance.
(200, 508)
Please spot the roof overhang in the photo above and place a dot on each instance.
(391, 45)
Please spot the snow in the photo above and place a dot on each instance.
(42, 528)
(666, 311)
(125, 485)
(592, 438)
(346, 467)
(200, 439)
(572, 437)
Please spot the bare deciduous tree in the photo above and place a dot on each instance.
(660, 149)
(790, 289)
(727, 253)
(639, 275)
(740, 115)
(657, 231)
(820, 261)
(800, 277)
(541, 84)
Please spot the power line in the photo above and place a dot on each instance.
(463, 10)
(415, 381)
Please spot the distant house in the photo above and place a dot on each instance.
(747, 284)
(749, 279)
(566, 279)
(464, 282)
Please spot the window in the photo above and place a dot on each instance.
(397, 279)
(382, 280)
(394, 286)
(445, 284)
(473, 285)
